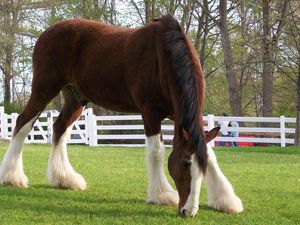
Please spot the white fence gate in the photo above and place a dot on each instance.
(128, 130)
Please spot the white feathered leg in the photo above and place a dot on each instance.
(220, 192)
(159, 190)
(60, 172)
(11, 169)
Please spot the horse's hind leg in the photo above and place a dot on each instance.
(60, 172)
(11, 169)
(220, 192)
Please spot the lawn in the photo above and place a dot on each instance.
(266, 179)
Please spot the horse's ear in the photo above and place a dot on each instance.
(185, 135)
(211, 134)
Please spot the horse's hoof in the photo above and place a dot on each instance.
(72, 181)
(169, 198)
(185, 212)
(228, 204)
(15, 180)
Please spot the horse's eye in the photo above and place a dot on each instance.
(186, 162)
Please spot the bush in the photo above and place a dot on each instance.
(12, 107)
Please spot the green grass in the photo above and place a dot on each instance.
(266, 179)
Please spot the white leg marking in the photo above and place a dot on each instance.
(11, 169)
(60, 172)
(191, 206)
(159, 189)
(220, 192)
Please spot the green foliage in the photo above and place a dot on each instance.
(217, 99)
(284, 97)
(266, 180)
(12, 107)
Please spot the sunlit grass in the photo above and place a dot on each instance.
(266, 179)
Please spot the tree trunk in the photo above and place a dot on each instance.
(113, 16)
(8, 72)
(297, 134)
(148, 11)
(7, 89)
(10, 30)
(205, 34)
(235, 101)
(267, 57)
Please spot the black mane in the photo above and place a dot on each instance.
(183, 65)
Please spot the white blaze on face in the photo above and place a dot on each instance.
(191, 206)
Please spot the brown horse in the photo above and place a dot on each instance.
(154, 71)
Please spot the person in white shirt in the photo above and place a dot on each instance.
(234, 133)
(224, 133)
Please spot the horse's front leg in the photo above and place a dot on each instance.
(220, 192)
(159, 189)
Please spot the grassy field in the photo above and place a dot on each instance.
(266, 179)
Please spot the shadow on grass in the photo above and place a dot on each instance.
(44, 199)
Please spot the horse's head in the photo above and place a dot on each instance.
(185, 171)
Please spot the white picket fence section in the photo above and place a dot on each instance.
(94, 130)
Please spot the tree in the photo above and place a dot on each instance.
(289, 64)
(235, 101)
(10, 19)
(269, 44)
(297, 134)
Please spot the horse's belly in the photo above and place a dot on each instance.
(118, 106)
(109, 97)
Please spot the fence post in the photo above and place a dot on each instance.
(5, 126)
(50, 126)
(91, 127)
(86, 128)
(211, 125)
(14, 117)
(282, 131)
(2, 123)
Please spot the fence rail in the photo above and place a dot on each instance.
(128, 130)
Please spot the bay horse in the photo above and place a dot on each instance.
(154, 71)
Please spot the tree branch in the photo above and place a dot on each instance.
(281, 23)
(213, 71)
(138, 11)
(208, 13)
(2, 69)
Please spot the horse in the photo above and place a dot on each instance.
(154, 71)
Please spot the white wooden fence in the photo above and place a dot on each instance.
(128, 130)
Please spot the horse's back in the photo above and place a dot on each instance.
(70, 39)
